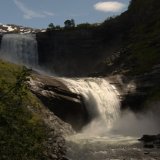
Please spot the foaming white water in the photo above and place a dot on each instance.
(82, 147)
(104, 137)
(101, 101)
(21, 49)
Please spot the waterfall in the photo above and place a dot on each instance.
(100, 98)
(96, 140)
(100, 140)
(20, 49)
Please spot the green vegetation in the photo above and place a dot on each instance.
(69, 23)
(139, 31)
(145, 34)
(87, 26)
(21, 132)
(144, 41)
(52, 27)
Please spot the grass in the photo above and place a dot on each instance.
(21, 132)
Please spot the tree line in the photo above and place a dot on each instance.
(70, 24)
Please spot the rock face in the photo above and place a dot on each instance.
(66, 105)
(136, 89)
(72, 52)
(147, 86)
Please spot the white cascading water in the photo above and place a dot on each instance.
(100, 98)
(97, 140)
(102, 139)
(20, 48)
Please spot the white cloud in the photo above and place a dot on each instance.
(111, 6)
(29, 14)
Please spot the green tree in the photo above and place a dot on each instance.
(72, 23)
(51, 26)
(69, 23)
(84, 25)
(58, 27)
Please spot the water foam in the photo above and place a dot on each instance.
(100, 99)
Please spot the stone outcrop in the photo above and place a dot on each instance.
(137, 89)
(66, 105)
(147, 85)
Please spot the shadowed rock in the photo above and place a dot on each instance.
(66, 105)
(151, 141)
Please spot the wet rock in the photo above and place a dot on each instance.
(148, 138)
(150, 141)
(148, 146)
(63, 103)
(53, 156)
(65, 158)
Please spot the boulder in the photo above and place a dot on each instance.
(148, 138)
(150, 141)
(60, 100)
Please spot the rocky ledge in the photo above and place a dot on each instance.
(63, 103)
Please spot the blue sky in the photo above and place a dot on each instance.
(39, 13)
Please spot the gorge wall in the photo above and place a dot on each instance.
(73, 52)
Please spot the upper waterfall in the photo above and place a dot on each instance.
(20, 48)
(100, 98)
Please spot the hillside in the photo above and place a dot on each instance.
(27, 129)
(140, 28)
(145, 34)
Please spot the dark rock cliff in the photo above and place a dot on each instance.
(73, 52)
